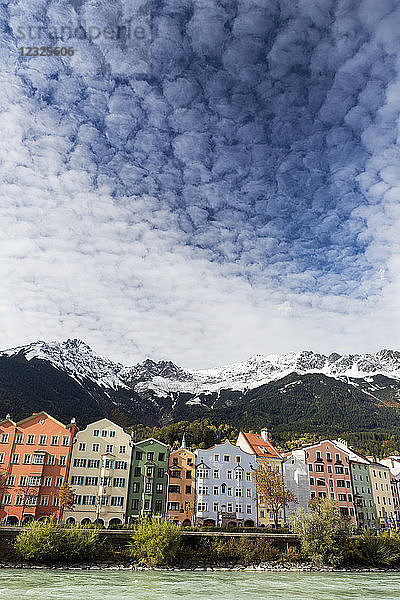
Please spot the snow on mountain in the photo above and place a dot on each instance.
(164, 377)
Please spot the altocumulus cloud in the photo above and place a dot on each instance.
(226, 186)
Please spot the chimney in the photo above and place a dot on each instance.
(8, 416)
(265, 434)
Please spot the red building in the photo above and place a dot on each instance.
(35, 455)
(329, 474)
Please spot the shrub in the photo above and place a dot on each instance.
(381, 548)
(156, 541)
(46, 541)
(323, 533)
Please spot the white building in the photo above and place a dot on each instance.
(99, 474)
(296, 477)
(225, 492)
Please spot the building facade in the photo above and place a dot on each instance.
(393, 463)
(35, 455)
(329, 475)
(225, 491)
(260, 446)
(295, 474)
(148, 479)
(382, 493)
(99, 474)
(363, 496)
(181, 486)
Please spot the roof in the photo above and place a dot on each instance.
(259, 446)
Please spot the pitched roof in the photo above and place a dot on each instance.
(259, 446)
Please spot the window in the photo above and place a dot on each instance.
(319, 468)
(62, 461)
(188, 474)
(337, 457)
(346, 470)
(310, 467)
(238, 475)
(88, 500)
(150, 455)
(139, 455)
(65, 440)
(148, 488)
(18, 438)
(238, 492)
(202, 473)
(348, 484)
(159, 488)
(10, 480)
(161, 456)
(104, 433)
(216, 490)
(161, 472)
(1, 457)
(135, 504)
(320, 481)
(328, 456)
(7, 499)
(216, 457)
(119, 482)
(149, 471)
(239, 508)
(91, 480)
(203, 489)
(112, 434)
(238, 459)
(42, 440)
(30, 439)
(262, 514)
(248, 476)
(4, 438)
(82, 446)
(137, 472)
(312, 481)
(38, 459)
(173, 506)
(47, 482)
(106, 481)
(227, 458)
(109, 448)
(122, 449)
(158, 506)
(135, 487)
(76, 480)
(339, 470)
(188, 489)
(248, 493)
(108, 464)
(176, 474)
(330, 482)
(340, 483)
(77, 499)
(55, 500)
(27, 459)
(329, 468)
(95, 447)
(96, 432)
(230, 491)
(34, 480)
(202, 506)
(318, 455)
(215, 506)
(230, 508)
(22, 480)
(15, 459)
(216, 473)
(59, 481)
(19, 500)
(248, 509)
(78, 462)
(44, 500)
(31, 500)
(117, 501)
(93, 463)
(51, 459)
(229, 474)
(120, 464)
(54, 440)
(342, 497)
(349, 497)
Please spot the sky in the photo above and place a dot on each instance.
(217, 180)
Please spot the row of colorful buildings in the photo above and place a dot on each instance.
(116, 480)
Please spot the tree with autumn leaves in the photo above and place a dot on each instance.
(66, 499)
(271, 490)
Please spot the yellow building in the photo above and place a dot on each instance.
(261, 447)
(382, 493)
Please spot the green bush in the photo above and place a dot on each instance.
(46, 541)
(155, 542)
(379, 549)
(323, 533)
(230, 549)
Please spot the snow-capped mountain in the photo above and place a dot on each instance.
(78, 360)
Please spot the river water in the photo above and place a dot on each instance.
(16, 584)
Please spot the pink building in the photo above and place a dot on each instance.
(329, 475)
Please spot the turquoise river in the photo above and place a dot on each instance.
(16, 584)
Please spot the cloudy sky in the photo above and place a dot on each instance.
(220, 179)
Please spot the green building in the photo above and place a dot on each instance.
(148, 480)
(363, 496)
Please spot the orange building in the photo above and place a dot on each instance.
(181, 486)
(35, 455)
